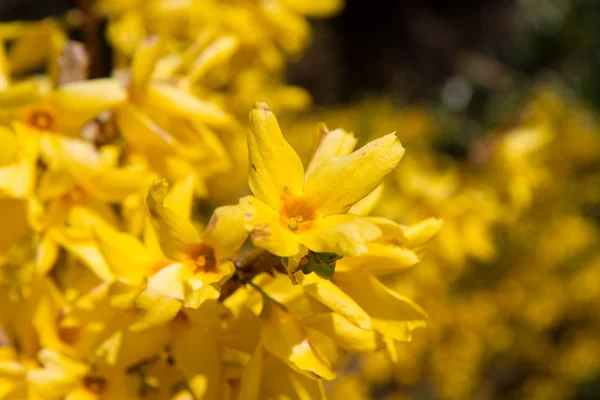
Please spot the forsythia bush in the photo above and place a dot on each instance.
(512, 282)
(119, 278)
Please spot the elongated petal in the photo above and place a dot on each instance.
(58, 377)
(344, 235)
(108, 183)
(265, 229)
(368, 203)
(79, 102)
(202, 373)
(162, 299)
(175, 101)
(392, 314)
(180, 196)
(390, 230)
(219, 52)
(226, 231)
(380, 259)
(327, 293)
(275, 168)
(345, 333)
(175, 233)
(422, 232)
(279, 381)
(338, 183)
(251, 377)
(141, 132)
(124, 253)
(83, 247)
(144, 59)
(13, 215)
(284, 337)
(333, 144)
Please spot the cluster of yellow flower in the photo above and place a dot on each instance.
(512, 282)
(116, 282)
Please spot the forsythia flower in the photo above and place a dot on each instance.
(290, 213)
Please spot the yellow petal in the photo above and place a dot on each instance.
(279, 381)
(46, 255)
(380, 259)
(124, 253)
(144, 59)
(177, 102)
(275, 168)
(368, 203)
(390, 230)
(175, 233)
(422, 232)
(59, 375)
(251, 377)
(202, 373)
(162, 299)
(14, 219)
(141, 132)
(79, 102)
(180, 196)
(226, 232)
(82, 247)
(344, 235)
(86, 165)
(284, 337)
(333, 144)
(392, 314)
(338, 183)
(219, 52)
(344, 333)
(265, 229)
(9, 146)
(327, 293)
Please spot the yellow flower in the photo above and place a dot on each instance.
(289, 211)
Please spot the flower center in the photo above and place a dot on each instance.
(41, 119)
(204, 258)
(297, 213)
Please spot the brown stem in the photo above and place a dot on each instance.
(248, 269)
(91, 36)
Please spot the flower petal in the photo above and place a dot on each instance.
(162, 299)
(266, 231)
(125, 254)
(344, 235)
(334, 143)
(380, 259)
(79, 102)
(202, 373)
(345, 333)
(175, 233)
(338, 183)
(423, 231)
(144, 60)
(284, 337)
(226, 231)
(251, 377)
(219, 52)
(393, 315)
(327, 293)
(275, 168)
(177, 102)
(368, 203)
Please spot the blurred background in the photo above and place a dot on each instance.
(497, 104)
